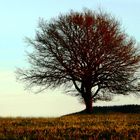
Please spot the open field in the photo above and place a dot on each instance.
(117, 126)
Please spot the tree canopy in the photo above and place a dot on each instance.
(88, 50)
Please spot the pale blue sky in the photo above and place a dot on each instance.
(19, 18)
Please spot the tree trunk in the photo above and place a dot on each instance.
(88, 103)
(88, 98)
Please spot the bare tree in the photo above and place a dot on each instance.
(88, 50)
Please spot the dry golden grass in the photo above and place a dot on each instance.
(74, 127)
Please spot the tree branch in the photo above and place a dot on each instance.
(96, 92)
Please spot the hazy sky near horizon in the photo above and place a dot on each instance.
(19, 19)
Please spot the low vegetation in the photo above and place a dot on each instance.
(113, 109)
(108, 126)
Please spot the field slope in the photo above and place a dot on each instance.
(100, 126)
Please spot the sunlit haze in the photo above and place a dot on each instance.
(19, 19)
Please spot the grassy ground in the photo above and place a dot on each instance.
(116, 126)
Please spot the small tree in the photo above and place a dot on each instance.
(88, 50)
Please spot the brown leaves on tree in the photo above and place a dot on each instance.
(82, 20)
